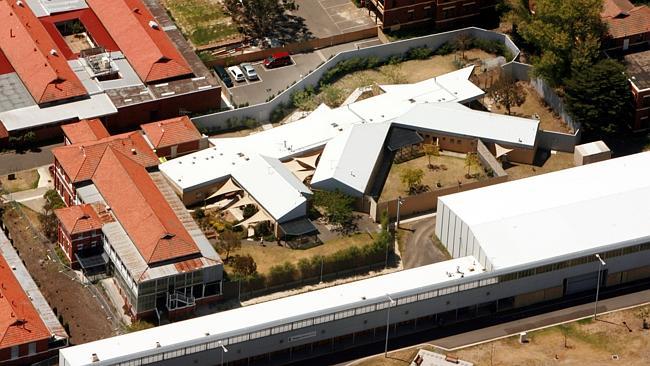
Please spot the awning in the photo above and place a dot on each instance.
(91, 262)
(309, 161)
(228, 187)
(303, 174)
(258, 217)
(246, 200)
(293, 166)
(298, 227)
(501, 150)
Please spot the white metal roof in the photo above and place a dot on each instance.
(448, 118)
(349, 158)
(271, 313)
(96, 106)
(568, 212)
(592, 148)
(353, 150)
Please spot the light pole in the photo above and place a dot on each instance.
(601, 263)
(388, 323)
(321, 269)
(400, 202)
(223, 350)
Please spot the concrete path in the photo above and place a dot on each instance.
(420, 249)
(33, 198)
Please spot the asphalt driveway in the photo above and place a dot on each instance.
(419, 249)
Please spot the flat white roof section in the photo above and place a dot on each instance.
(272, 313)
(592, 148)
(349, 159)
(563, 214)
(465, 122)
(96, 106)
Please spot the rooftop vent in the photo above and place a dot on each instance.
(133, 151)
(153, 24)
(19, 3)
(53, 52)
(95, 358)
(157, 344)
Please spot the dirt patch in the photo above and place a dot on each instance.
(584, 342)
(72, 300)
(555, 162)
(27, 179)
(450, 171)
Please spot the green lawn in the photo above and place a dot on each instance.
(202, 21)
(271, 255)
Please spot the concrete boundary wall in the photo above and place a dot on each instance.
(262, 112)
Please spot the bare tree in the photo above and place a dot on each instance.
(463, 42)
(229, 241)
(506, 92)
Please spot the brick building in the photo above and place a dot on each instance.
(174, 137)
(628, 28)
(79, 233)
(157, 256)
(627, 24)
(638, 69)
(439, 14)
(120, 61)
(29, 330)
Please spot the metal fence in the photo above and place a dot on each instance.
(262, 112)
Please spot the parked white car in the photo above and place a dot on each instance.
(249, 71)
(236, 73)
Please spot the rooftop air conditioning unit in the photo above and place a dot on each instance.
(153, 24)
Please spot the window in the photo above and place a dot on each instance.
(281, 329)
(32, 348)
(14, 352)
(344, 314)
(238, 339)
(407, 300)
(174, 354)
(152, 359)
(428, 295)
(195, 349)
(303, 323)
(365, 309)
(324, 319)
(260, 333)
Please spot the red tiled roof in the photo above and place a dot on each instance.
(89, 20)
(78, 219)
(171, 132)
(27, 45)
(624, 19)
(3, 131)
(85, 131)
(141, 209)
(5, 65)
(149, 51)
(20, 323)
(81, 160)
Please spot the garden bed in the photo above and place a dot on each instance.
(202, 21)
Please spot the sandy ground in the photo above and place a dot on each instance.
(557, 161)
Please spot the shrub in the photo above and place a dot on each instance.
(419, 53)
(445, 49)
(281, 274)
(304, 99)
(244, 265)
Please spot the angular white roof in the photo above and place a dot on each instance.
(272, 313)
(456, 119)
(349, 158)
(571, 212)
(356, 133)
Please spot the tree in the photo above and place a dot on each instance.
(598, 97)
(229, 241)
(337, 206)
(412, 179)
(565, 34)
(431, 150)
(471, 160)
(258, 17)
(48, 220)
(244, 265)
(462, 43)
(249, 210)
(332, 95)
(507, 92)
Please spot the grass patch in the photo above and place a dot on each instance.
(202, 21)
(440, 247)
(27, 179)
(271, 255)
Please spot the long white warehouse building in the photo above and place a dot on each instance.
(514, 245)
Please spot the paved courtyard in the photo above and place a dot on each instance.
(332, 17)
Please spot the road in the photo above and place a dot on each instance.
(419, 249)
(13, 162)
